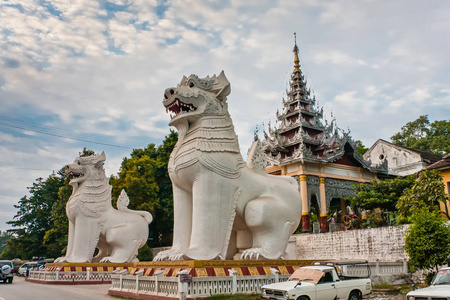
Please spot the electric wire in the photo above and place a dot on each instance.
(61, 133)
(56, 130)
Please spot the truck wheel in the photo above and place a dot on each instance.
(302, 298)
(354, 295)
(10, 280)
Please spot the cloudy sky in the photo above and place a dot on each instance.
(91, 73)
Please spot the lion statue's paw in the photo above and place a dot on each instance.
(170, 254)
(76, 259)
(105, 259)
(60, 259)
(253, 254)
(178, 256)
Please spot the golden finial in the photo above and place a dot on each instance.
(296, 59)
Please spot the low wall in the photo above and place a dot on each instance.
(383, 244)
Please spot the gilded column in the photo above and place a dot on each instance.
(305, 208)
(323, 206)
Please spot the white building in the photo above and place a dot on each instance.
(399, 160)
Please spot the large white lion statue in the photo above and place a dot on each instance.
(222, 208)
(94, 223)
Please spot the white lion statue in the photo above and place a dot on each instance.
(222, 208)
(94, 223)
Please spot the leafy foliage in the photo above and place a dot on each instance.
(361, 148)
(56, 238)
(373, 218)
(33, 218)
(423, 135)
(427, 242)
(4, 238)
(145, 253)
(427, 190)
(380, 196)
(145, 178)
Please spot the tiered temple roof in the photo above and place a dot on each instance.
(302, 135)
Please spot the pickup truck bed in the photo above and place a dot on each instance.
(317, 283)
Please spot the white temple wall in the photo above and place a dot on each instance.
(383, 244)
(400, 161)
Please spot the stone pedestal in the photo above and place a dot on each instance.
(82, 267)
(208, 268)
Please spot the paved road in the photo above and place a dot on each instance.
(23, 290)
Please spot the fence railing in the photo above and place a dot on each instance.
(177, 287)
(69, 276)
(376, 269)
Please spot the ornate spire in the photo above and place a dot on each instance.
(296, 59)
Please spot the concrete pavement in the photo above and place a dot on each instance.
(23, 290)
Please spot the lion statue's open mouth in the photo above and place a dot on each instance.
(74, 175)
(179, 107)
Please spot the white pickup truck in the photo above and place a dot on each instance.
(318, 282)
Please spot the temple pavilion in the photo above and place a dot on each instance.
(322, 157)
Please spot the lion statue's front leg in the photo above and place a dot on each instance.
(182, 226)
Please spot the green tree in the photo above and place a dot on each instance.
(427, 241)
(145, 178)
(56, 238)
(381, 195)
(361, 148)
(427, 191)
(423, 135)
(4, 238)
(33, 218)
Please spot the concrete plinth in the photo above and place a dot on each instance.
(208, 268)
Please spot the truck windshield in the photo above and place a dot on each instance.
(306, 274)
(442, 277)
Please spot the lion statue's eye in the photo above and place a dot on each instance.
(191, 84)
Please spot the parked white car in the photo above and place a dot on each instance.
(318, 282)
(438, 290)
(26, 267)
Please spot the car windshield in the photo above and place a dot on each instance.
(442, 277)
(2, 263)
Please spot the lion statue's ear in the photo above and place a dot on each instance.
(222, 86)
(100, 159)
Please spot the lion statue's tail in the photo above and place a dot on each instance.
(257, 161)
(122, 205)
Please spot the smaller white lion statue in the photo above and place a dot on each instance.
(94, 223)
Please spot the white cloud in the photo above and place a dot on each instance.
(376, 64)
(336, 57)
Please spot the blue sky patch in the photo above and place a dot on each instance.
(161, 8)
(11, 63)
(50, 8)
(172, 41)
(18, 6)
(112, 7)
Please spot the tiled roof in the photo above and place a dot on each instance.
(444, 163)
